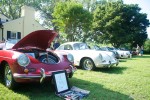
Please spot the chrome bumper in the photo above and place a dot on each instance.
(40, 76)
(108, 64)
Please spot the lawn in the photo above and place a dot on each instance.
(129, 80)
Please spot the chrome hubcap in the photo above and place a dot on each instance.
(8, 76)
(88, 65)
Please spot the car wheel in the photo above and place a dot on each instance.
(8, 78)
(88, 64)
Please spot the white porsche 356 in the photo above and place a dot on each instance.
(86, 58)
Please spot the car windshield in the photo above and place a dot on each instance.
(13, 41)
(10, 43)
(97, 48)
(80, 46)
(109, 48)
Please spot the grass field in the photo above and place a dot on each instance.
(130, 80)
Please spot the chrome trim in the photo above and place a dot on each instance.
(72, 68)
(23, 76)
(42, 75)
(26, 76)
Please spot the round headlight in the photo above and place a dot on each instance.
(23, 60)
(70, 57)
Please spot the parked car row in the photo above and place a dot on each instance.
(87, 58)
(30, 60)
(117, 52)
(95, 47)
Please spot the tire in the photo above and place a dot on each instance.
(8, 78)
(88, 64)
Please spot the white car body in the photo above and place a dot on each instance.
(121, 53)
(124, 54)
(99, 58)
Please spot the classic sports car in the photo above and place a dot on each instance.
(107, 49)
(28, 60)
(86, 58)
(119, 53)
(123, 53)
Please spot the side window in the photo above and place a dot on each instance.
(68, 47)
(103, 49)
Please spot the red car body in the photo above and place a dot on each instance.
(39, 64)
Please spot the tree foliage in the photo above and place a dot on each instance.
(72, 19)
(12, 8)
(118, 23)
(147, 46)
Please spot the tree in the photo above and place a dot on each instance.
(147, 46)
(72, 19)
(12, 8)
(118, 23)
(46, 9)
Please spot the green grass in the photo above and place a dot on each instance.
(129, 80)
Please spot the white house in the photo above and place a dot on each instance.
(18, 28)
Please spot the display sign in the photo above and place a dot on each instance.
(61, 81)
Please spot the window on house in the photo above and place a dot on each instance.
(13, 35)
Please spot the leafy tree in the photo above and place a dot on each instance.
(72, 19)
(12, 8)
(118, 23)
(46, 9)
(147, 46)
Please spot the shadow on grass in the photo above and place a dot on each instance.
(46, 91)
(112, 70)
(122, 60)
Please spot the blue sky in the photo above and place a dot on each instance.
(145, 8)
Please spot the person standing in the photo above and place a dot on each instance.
(141, 51)
(138, 49)
(56, 44)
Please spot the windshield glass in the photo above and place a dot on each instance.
(109, 48)
(98, 48)
(10, 43)
(13, 41)
(80, 46)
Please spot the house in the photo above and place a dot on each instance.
(18, 28)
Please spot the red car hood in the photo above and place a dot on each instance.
(37, 39)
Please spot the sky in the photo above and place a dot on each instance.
(145, 8)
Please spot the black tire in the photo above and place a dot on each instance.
(8, 78)
(88, 64)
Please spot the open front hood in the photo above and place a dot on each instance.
(38, 39)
